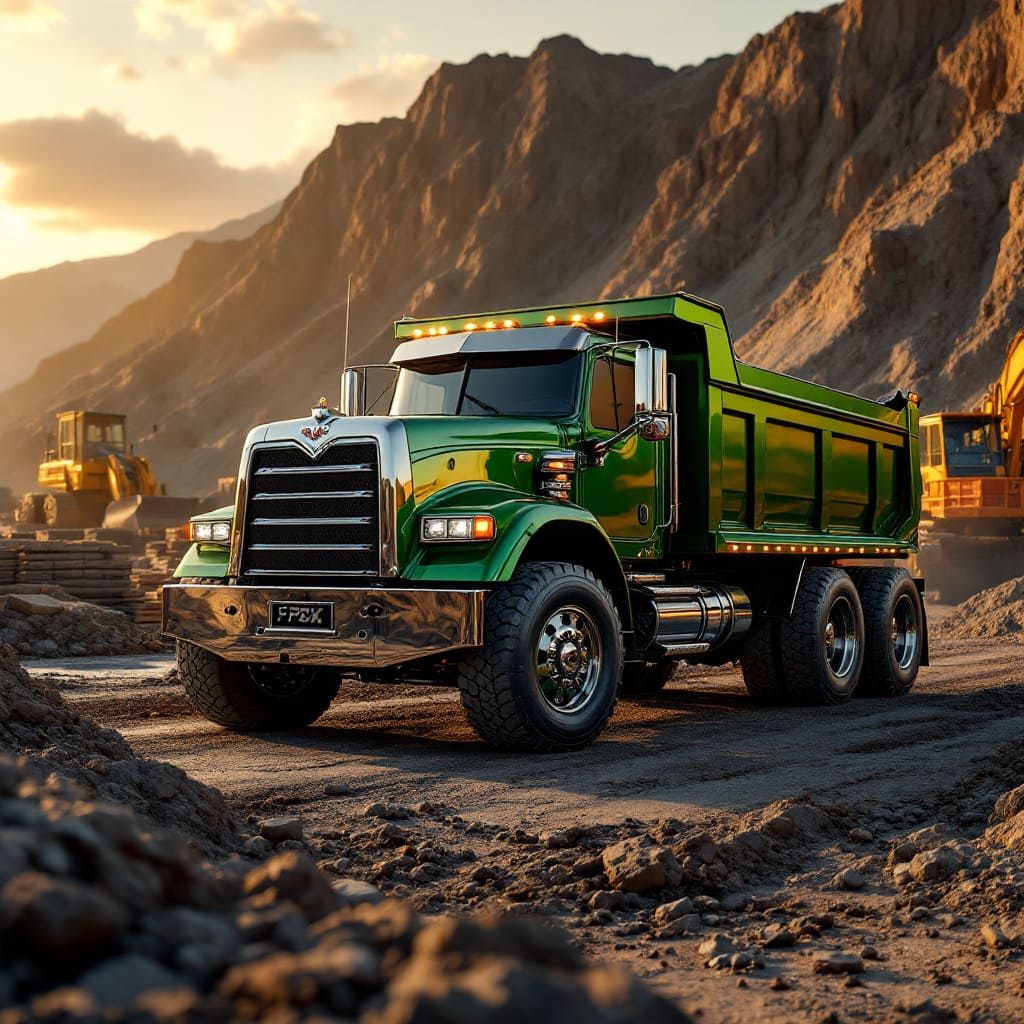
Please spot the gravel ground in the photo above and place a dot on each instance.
(828, 864)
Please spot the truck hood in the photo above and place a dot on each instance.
(449, 450)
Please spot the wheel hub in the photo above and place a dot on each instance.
(568, 659)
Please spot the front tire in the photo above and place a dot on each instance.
(548, 675)
(822, 642)
(243, 697)
(894, 631)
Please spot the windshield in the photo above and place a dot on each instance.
(972, 443)
(103, 438)
(489, 385)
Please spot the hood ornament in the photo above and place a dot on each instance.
(323, 414)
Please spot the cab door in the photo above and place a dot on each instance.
(626, 492)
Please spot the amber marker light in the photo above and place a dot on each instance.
(417, 333)
(470, 326)
(577, 318)
(490, 325)
(509, 323)
(599, 315)
(483, 528)
(432, 332)
(442, 330)
(550, 319)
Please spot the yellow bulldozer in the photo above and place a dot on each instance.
(93, 478)
(972, 469)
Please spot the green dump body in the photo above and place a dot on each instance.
(767, 464)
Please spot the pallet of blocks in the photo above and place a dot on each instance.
(96, 571)
(8, 563)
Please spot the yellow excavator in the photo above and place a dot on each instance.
(93, 478)
(972, 508)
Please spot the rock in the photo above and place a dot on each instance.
(836, 963)
(861, 835)
(869, 953)
(59, 917)
(389, 812)
(121, 980)
(681, 926)
(35, 604)
(277, 830)
(716, 945)
(848, 878)
(670, 911)
(778, 937)
(1009, 804)
(338, 788)
(637, 865)
(935, 865)
(352, 892)
(995, 937)
(606, 900)
(291, 876)
(779, 984)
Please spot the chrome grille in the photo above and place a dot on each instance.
(313, 517)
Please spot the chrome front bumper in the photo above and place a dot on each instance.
(373, 627)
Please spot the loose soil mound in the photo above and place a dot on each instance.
(101, 920)
(996, 612)
(45, 622)
(36, 722)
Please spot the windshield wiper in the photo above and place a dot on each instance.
(483, 405)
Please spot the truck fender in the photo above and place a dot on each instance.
(527, 528)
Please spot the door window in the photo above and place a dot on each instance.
(66, 440)
(611, 394)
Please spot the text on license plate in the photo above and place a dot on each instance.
(301, 615)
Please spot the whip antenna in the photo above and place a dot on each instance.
(348, 304)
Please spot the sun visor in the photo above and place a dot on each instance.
(515, 339)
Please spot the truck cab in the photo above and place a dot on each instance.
(556, 504)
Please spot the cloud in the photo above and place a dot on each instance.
(244, 32)
(123, 71)
(29, 15)
(388, 89)
(91, 173)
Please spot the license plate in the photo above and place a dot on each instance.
(301, 615)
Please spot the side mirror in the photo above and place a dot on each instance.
(353, 393)
(651, 388)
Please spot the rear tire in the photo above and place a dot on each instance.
(649, 677)
(761, 661)
(30, 512)
(893, 631)
(61, 511)
(242, 697)
(822, 642)
(548, 675)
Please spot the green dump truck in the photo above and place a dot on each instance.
(559, 505)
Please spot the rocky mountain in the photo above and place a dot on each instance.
(850, 187)
(45, 311)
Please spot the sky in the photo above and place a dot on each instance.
(123, 121)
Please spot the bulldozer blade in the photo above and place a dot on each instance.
(149, 512)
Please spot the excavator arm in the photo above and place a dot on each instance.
(1011, 400)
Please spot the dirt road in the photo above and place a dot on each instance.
(701, 754)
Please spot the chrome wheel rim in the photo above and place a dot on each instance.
(905, 635)
(840, 638)
(568, 660)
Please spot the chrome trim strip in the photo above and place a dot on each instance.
(310, 495)
(312, 521)
(310, 573)
(233, 622)
(354, 467)
(311, 547)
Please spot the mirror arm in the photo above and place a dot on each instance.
(597, 451)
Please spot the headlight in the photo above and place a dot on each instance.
(211, 532)
(456, 528)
